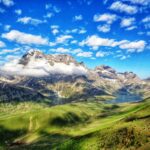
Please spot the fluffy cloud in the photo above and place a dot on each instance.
(18, 11)
(48, 15)
(63, 38)
(131, 28)
(126, 22)
(76, 51)
(72, 31)
(29, 20)
(137, 46)
(82, 31)
(85, 54)
(54, 26)
(108, 18)
(61, 50)
(74, 42)
(67, 50)
(47, 6)
(41, 67)
(7, 3)
(76, 30)
(140, 2)
(5, 51)
(121, 7)
(78, 18)
(104, 28)
(24, 38)
(102, 54)
(146, 19)
(54, 29)
(122, 57)
(95, 42)
(2, 44)
(56, 9)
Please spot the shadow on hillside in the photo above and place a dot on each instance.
(109, 111)
(47, 141)
(8, 136)
(68, 119)
(135, 117)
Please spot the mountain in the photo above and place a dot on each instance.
(36, 64)
(59, 78)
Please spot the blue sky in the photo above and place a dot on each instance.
(114, 33)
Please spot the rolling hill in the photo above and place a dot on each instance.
(84, 125)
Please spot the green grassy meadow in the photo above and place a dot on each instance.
(75, 126)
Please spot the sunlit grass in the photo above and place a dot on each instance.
(40, 124)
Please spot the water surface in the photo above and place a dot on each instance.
(123, 98)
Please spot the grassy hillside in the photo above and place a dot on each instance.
(78, 126)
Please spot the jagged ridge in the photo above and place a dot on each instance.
(61, 78)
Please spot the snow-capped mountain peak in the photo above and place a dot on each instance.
(35, 63)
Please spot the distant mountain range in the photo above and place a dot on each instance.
(59, 78)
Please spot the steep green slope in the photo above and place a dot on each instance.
(131, 132)
(76, 126)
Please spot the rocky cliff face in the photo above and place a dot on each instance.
(60, 78)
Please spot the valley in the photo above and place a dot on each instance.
(74, 75)
(59, 78)
(84, 125)
(54, 102)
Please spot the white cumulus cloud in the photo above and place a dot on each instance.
(140, 2)
(126, 22)
(18, 11)
(85, 54)
(48, 15)
(95, 42)
(5, 51)
(137, 46)
(63, 38)
(41, 67)
(102, 54)
(54, 29)
(122, 7)
(108, 18)
(82, 31)
(78, 18)
(61, 50)
(29, 20)
(7, 3)
(131, 28)
(104, 28)
(24, 38)
(47, 6)
(146, 19)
